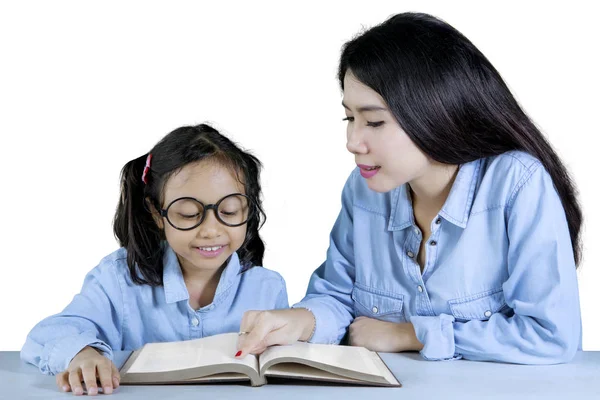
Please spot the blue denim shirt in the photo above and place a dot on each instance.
(499, 282)
(113, 313)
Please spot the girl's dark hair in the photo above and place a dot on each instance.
(134, 226)
(450, 100)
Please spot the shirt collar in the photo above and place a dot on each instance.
(174, 285)
(456, 209)
(402, 212)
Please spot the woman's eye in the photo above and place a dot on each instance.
(374, 124)
(349, 119)
(229, 213)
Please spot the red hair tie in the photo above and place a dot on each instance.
(146, 169)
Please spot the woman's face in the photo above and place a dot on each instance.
(386, 156)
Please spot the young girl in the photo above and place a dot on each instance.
(459, 231)
(188, 222)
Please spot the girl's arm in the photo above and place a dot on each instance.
(93, 318)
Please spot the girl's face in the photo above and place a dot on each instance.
(207, 246)
(386, 156)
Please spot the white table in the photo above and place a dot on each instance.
(421, 379)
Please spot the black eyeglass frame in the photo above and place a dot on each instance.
(164, 212)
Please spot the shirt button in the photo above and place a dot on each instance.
(420, 289)
(410, 254)
(375, 310)
(487, 314)
(438, 221)
(417, 232)
(433, 243)
(195, 321)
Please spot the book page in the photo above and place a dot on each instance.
(299, 371)
(356, 359)
(226, 376)
(173, 356)
(385, 371)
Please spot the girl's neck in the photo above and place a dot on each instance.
(201, 284)
(198, 277)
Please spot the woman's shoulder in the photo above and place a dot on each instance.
(502, 176)
(514, 162)
(357, 193)
(510, 170)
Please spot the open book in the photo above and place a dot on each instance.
(211, 360)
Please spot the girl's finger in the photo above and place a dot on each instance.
(62, 381)
(105, 377)
(90, 379)
(75, 382)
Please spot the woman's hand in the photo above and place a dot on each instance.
(89, 366)
(261, 329)
(383, 336)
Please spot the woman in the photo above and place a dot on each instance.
(459, 232)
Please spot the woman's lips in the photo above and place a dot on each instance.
(368, 171)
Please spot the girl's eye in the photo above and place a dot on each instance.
(229, 213)
(189, 216)
(374, 124)
(349, 119)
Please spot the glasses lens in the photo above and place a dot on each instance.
(234, 210)
(185, 213)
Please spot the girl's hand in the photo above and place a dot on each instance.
(261, 329)
(89, 366)
(383, 336)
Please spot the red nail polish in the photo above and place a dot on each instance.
(239, 353)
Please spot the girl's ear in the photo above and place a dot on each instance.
(158, 219)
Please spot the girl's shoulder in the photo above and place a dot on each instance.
(264, 275)
(118, 256)
(111, 268)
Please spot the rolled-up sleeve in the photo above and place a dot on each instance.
(93, 318)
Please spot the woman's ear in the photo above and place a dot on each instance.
(158, 219)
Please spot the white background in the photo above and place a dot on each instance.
(85, 87)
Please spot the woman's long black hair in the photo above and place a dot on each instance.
(133, 223)
(450, 100)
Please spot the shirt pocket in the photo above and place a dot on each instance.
(479, 306)
(378, 305)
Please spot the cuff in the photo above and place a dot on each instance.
(437, 336)
(326, 330)
(60, 355)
